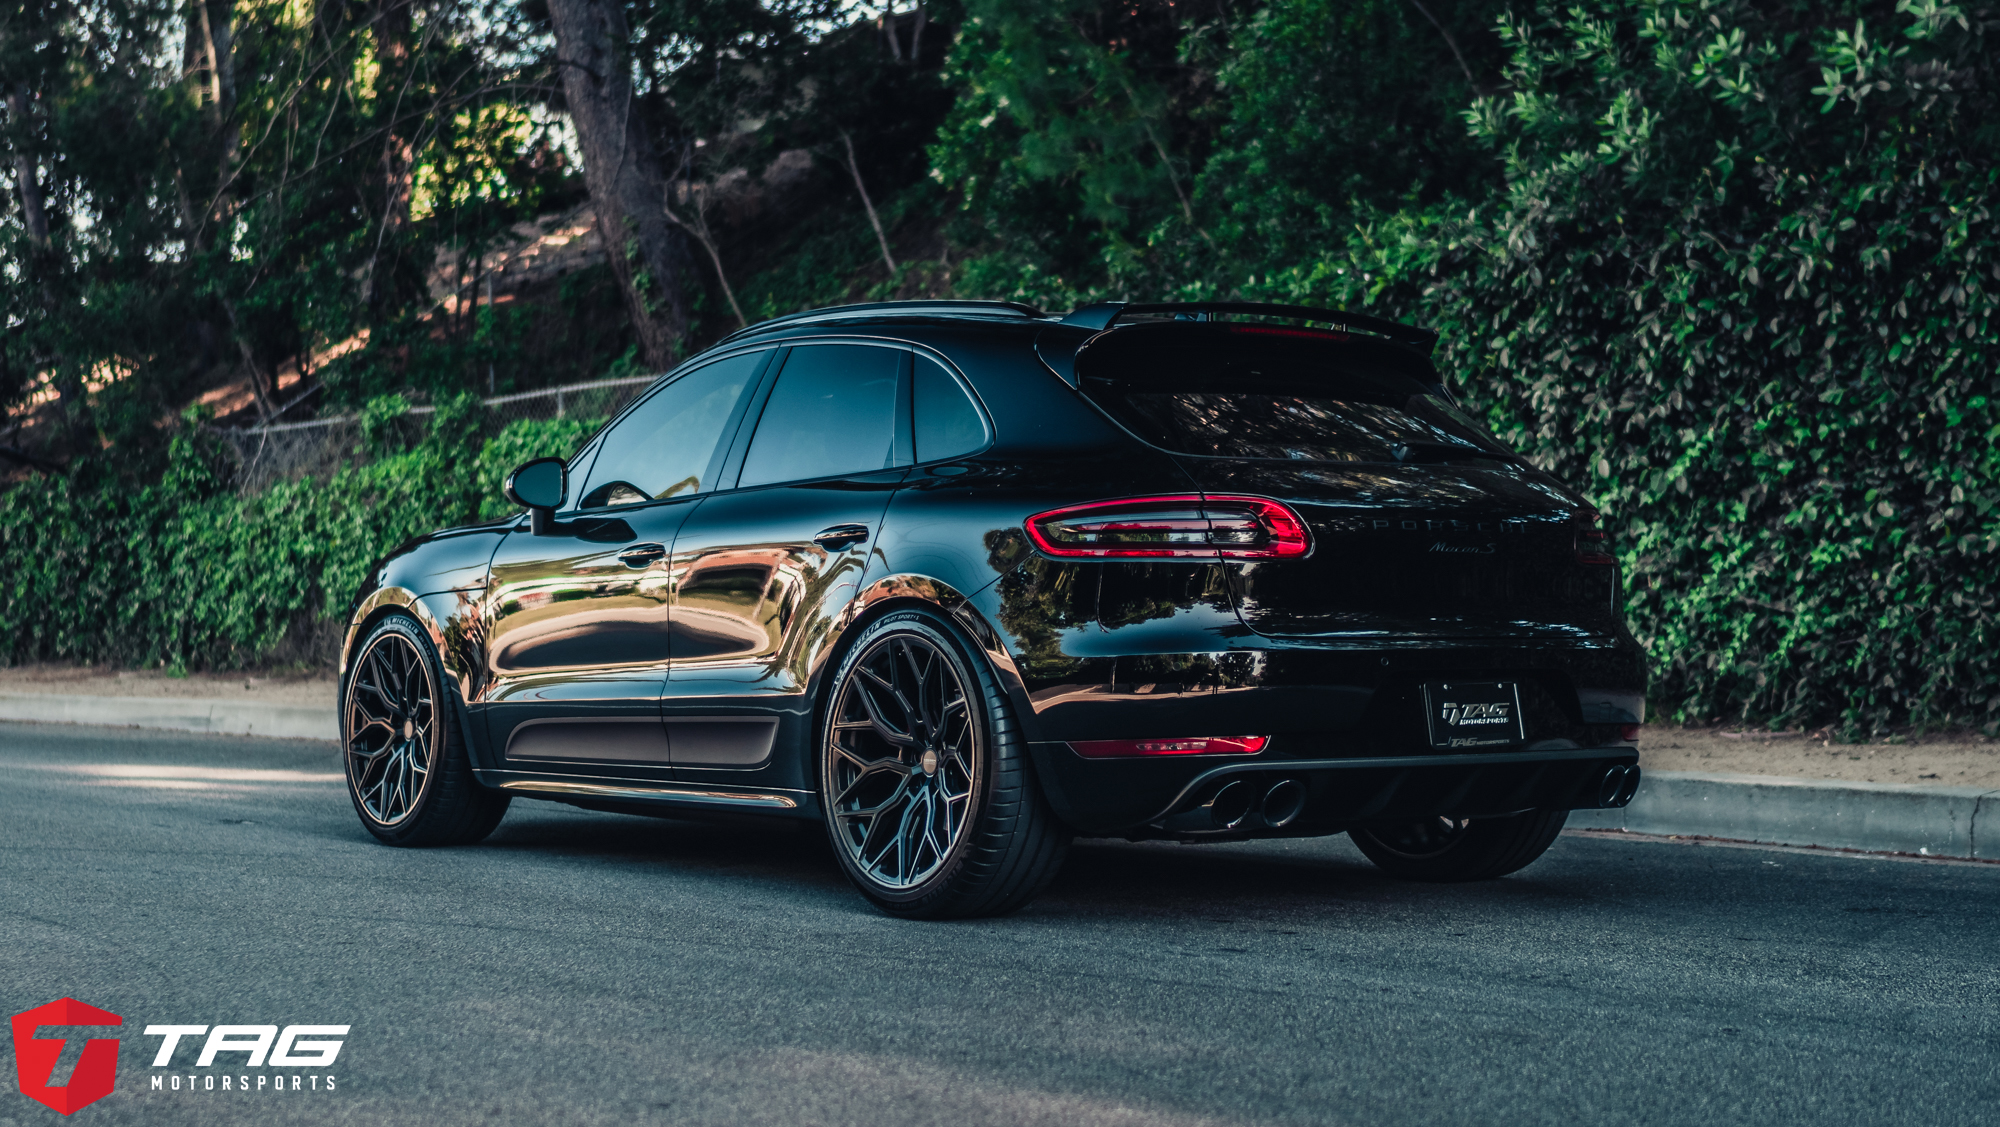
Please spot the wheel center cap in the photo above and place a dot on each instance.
(929, 762)
(409, 729)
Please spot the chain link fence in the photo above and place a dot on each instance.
(283, 451)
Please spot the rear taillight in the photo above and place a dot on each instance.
(1592, 545)
(1184, 526)
(1185, 745)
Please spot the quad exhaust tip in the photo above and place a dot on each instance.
(1230, 807)
(1617, 786)
(1283, 803)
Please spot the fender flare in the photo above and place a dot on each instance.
(905, 589)
(385, 601)
(379, 604)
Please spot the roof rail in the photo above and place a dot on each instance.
(1106, 314)
(936, 307)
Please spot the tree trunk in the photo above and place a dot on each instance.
(392, 30)
(391, 25)
(28, 180)
(649, 257)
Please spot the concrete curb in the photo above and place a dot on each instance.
(227, 717)
(1875, 817)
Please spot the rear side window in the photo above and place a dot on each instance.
(669, 445)
(832, 412)
(947, 422)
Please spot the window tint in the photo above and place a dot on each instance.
(1319, 417)
(666, 446)
(832, 412)
(947, 422)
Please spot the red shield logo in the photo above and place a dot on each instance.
(35, 1057)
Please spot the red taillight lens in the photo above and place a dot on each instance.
(1592, 545)
(1629, 733)
(1185, 745)
(1185, 526)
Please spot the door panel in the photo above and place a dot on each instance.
(579, 628)
(760, 572)
(578, 634)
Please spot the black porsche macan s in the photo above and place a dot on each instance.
(962, 581)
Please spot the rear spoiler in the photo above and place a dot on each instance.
(1106, 314)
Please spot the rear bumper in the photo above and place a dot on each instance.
(1200, 799)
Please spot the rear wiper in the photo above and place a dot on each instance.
(1434, 452)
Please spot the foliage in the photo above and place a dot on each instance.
(1741, 286)
(1729, 265)
(187, 574)
(1104, 149)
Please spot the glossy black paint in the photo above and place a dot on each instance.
(662, 654)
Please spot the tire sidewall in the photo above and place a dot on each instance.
(975, 678)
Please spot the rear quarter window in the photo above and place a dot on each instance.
(947, 424)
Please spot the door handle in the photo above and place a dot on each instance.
(841, 536)
(642, 555)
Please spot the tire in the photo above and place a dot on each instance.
(913, 726)
(402, 748)
(1448, 849)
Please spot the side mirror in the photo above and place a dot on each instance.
(540, 486)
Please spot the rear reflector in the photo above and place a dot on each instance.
(1181, 526)
(1186, 745)
(1629, 733)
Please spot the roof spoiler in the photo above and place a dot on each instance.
(886, 308)
(1105, 314)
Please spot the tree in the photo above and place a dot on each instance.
(648, 252)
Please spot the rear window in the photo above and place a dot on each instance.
(1246, 391)
(1323, 418)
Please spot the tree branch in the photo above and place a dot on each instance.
(855, 169)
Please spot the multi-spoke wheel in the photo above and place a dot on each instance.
(407, 770)
(1457, 849)
(925, 784)
(392, 731)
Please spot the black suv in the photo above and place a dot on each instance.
(962, 580)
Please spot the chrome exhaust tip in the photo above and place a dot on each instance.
(1617, 786)
(1283, 803)
(1231, 805)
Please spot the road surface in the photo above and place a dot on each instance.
(594, 968)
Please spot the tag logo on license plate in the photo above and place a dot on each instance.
(1473, 713)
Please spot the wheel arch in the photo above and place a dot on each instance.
(910, 591)
(433, 613)
(380, 604)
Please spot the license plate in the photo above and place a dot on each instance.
(1473, 713)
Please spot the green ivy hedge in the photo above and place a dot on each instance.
(1742, 290)
(184, 573)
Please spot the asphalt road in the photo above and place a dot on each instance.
(592, 968)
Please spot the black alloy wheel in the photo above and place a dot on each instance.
(1445, 849)
(407, 771)
(925, 783)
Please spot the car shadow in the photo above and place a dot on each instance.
(1101, 879)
